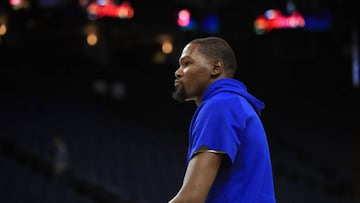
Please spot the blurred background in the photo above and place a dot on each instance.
(86, 114)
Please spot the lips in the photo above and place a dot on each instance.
(177, 83)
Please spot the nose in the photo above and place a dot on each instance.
(178, 72)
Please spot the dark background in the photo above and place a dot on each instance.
(131, 146)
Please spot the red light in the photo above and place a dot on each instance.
(274, 19)
(124, 10)
(183, 18)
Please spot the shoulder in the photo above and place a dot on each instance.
(225, 100)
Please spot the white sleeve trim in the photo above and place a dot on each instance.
(209, 150)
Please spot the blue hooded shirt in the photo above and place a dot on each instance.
(227, 121)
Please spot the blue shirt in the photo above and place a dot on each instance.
(227, 120)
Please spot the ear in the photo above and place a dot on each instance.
(218, 68)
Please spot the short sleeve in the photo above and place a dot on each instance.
(218, 126)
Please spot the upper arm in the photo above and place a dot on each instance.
(200, 175)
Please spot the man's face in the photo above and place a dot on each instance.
(193, 76)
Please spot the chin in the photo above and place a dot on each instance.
(179, 95)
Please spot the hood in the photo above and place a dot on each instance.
(235, 86)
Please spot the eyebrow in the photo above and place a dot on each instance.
(184, 58)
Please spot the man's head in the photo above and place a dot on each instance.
(202, 61)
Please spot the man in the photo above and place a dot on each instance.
(228, 157)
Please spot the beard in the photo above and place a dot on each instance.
(180, 95)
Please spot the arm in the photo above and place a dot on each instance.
(199, 176)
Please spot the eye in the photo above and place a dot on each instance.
(186, 63)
